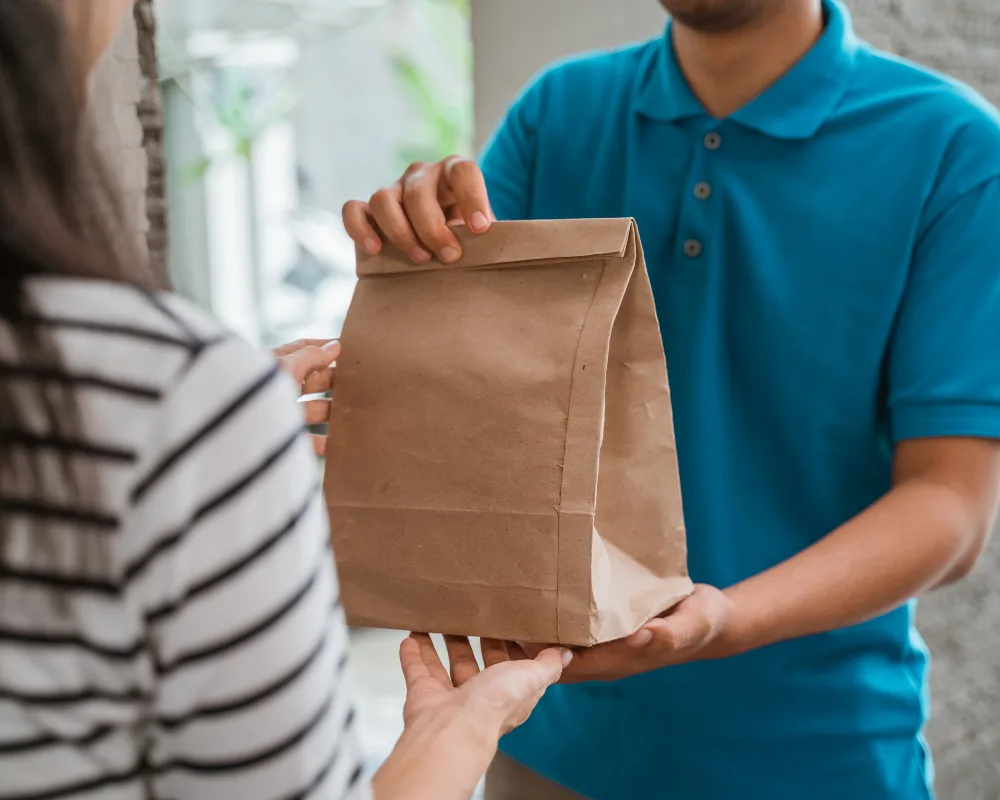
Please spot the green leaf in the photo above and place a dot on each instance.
(194, 171)
(244, 147)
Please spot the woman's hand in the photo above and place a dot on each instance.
(453, 722)
(310, 363)
(496, 699)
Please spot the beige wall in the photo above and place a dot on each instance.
(513, 39)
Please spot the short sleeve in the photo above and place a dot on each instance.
(943, 368)
(508, 160)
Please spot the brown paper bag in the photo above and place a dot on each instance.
(501, 458)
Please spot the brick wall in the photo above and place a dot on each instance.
(117, 91)
(129, 119)
(150, 108)
(961, 624)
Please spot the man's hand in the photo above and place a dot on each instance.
(310, 364)
(414, 212)
(703, 626)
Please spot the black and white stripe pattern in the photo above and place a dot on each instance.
(209, 660)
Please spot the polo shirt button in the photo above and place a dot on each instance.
(712, 141)
(703, 190)
(692, 248)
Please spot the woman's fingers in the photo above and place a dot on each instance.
(319, 382)
(432, 659)
(462, 659)
(551, 663)
(305, 361)
(291, 347)
(411, 659)
(317, 411)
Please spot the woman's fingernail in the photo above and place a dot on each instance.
(419, 255)
(333, 344)
(449, 254)
(479, 221)
(642, 638)
(567, 656)
(371, 246)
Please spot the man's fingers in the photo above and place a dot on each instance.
(316, 411)
(462, 659)
(465, 182)
(318, 443)
(423, 209)
(432, 659)
(386, 208)
(675, 632)
(494, 652)
(531, 649)
(359, 227)
(516, 652)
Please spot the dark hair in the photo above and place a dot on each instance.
(60, 214)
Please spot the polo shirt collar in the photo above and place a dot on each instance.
(794, 107)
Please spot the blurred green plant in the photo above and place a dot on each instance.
(245, 114)
(445, 119)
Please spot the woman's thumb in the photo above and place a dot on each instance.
(553, 661)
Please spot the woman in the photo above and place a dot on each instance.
(169, 624)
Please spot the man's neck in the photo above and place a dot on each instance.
(726, 71)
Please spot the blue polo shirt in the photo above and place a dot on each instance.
(826, 266)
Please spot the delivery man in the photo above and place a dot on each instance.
(821, 223)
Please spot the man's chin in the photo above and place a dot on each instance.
(716, 16)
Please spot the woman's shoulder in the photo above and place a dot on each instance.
(84, 303)
(103, 326)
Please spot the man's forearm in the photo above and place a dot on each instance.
(920, 535)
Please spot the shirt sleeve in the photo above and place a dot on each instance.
(234, 579)
(508, 160)
(943, 368)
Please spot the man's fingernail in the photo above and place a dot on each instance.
(419, 255)
(567, 656)
(479, 221)
(642, 638)
(449, 254)
(371, 246)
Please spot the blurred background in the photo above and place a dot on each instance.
(242, 126)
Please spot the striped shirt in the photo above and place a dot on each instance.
(208, 661)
